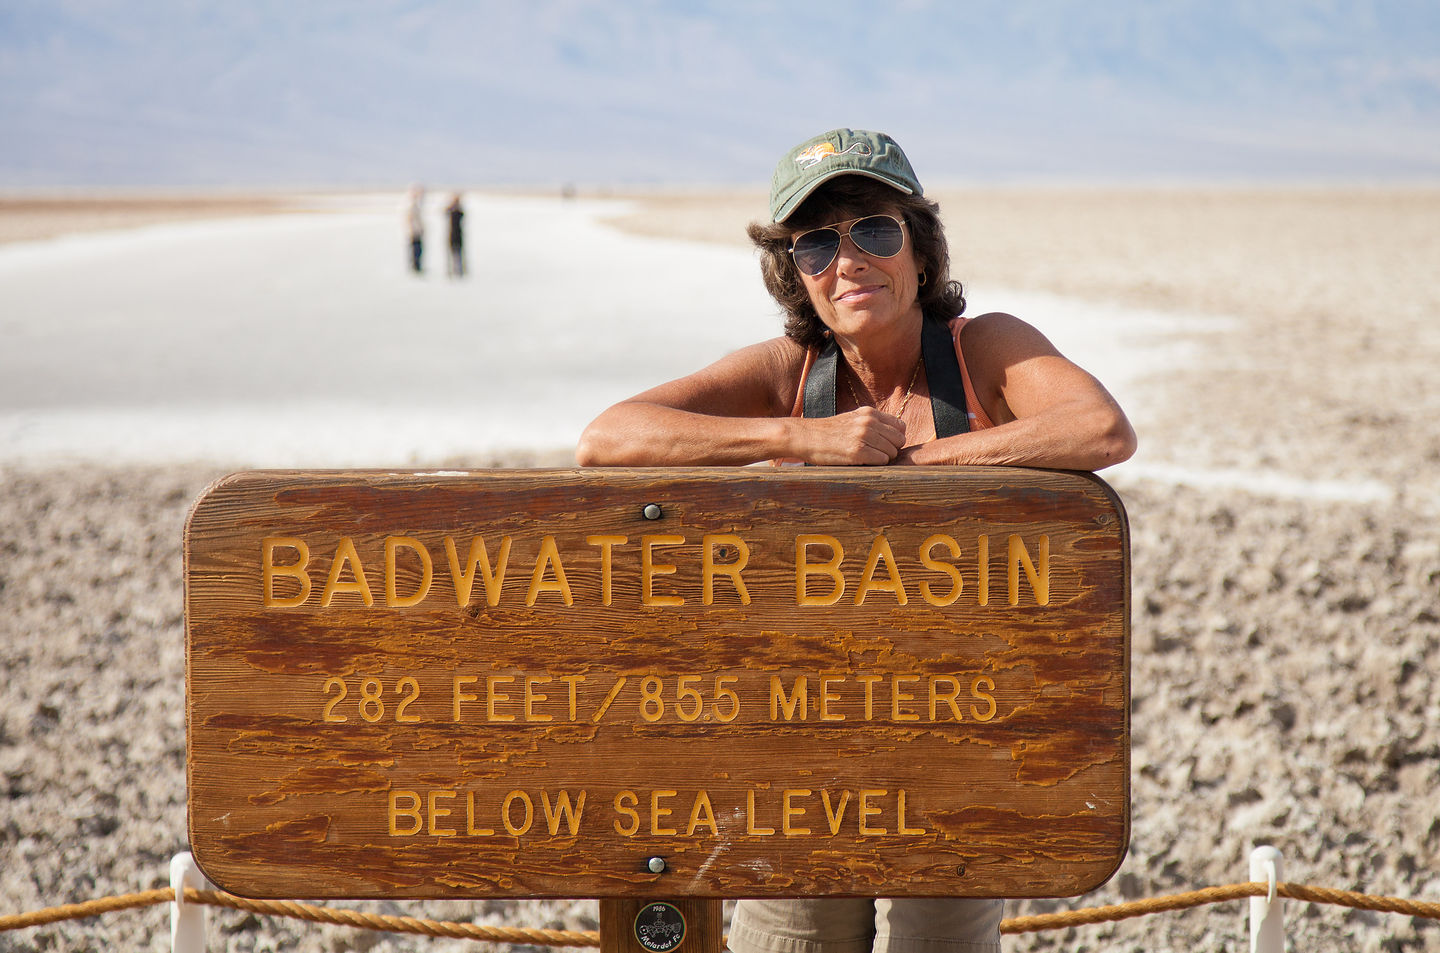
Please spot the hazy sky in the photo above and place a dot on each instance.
(369, 92)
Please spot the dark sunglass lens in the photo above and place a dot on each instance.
(814, 250)
(878, 235)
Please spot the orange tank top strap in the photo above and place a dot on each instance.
(979, 420)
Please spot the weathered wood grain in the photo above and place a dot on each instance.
(364, 727)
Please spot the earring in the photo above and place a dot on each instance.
(923, 277)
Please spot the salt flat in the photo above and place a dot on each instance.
(304, 340)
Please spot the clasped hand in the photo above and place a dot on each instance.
(864, 436)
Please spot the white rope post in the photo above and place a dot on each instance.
(187, 920)
(1267, 915)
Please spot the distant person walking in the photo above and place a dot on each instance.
(455, 212)
(415, 224)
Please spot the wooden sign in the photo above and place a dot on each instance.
(701, 682)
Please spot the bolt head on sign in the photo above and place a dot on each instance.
(794, 682)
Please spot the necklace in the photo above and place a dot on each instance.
(909, 391)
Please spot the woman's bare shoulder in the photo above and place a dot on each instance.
(774, 366)
(783, 352)
(756, 380)
(999, 327)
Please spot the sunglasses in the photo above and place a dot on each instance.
(881, 236)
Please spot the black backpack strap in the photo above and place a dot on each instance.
(947, 387)
(821, 381)
(942, 370)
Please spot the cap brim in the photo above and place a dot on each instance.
(788, 207)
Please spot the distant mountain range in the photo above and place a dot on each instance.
(642, 92)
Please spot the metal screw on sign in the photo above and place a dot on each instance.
(656, 865)
(652, 511)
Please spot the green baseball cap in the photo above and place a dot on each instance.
(838, 152)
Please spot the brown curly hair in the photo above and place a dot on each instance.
(838, 200)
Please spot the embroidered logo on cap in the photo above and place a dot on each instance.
(825, 150)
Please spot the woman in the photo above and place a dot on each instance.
(1026, 404)
(876, 367)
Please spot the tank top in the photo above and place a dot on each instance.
(979, 420)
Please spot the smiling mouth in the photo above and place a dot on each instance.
(858, 292)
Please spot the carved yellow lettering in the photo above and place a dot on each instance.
(797, 700)
(295, 570)
(532, 696)
(867, 810)
(563, 811)
(880, 550)
(900, 827)
(827, 696)
(649, 569)
(610, 698)
(479, 556)
(869, 682)
(724, 691)
(458, 693)
(982, 570)
(412, 813)
(750, 826)
(1039, 578)
(898, 695)
(686, 692)
(529, 815)
(948, 696)
(345, 555)
(804, 569)
(835, 816)
(980, 688)
(607, 546)
(711, 569)
(791, 810)
(930, 562)
(625, 803)
(493, 697)
(437, 812)
(549, 556)
(702, 813)
(657, 812)
(470, 827)
(427, 572)
(573, 681)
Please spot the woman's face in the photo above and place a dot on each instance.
(859, 292)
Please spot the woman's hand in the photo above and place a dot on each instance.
(861, 437)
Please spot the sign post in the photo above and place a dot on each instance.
(647, 684)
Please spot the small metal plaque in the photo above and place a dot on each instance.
(659, 927)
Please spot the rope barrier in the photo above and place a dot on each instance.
(304, 911)
(1137, 908)
(1209, 895)
(90, 908)
(579, 938)
(394, 924)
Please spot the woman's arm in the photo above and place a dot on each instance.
(734, 412)
(1048, 412)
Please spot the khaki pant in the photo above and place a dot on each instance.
(863, 926)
